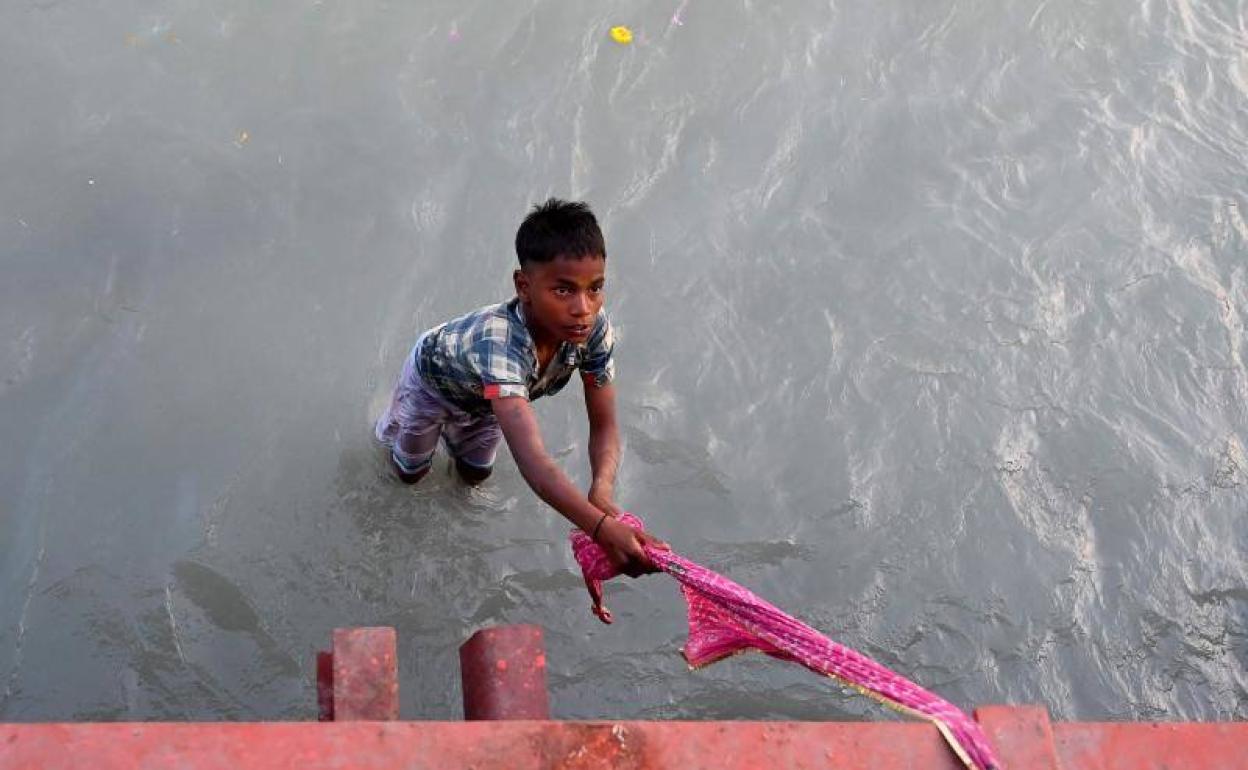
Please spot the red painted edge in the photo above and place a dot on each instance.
(1021, 736)
(504, 745)
(1134, 745)
(590, 745)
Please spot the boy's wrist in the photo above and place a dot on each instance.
(594, 534)
(603, 498)
(602, 488)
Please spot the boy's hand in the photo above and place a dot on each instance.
(625, 547)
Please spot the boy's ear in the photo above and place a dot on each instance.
(521, 280)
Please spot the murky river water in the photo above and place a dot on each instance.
(931, 318)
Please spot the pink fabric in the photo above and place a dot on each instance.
(725, 618)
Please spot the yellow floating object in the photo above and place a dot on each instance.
(622, 35)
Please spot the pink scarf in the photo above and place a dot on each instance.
(725, 619)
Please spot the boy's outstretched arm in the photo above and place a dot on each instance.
(623, 544)
(604, 444)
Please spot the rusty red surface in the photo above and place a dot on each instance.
(521, 745)
(365, 674)
(513, 745)
(1021, 735)
(1151, 745)
(503, 669)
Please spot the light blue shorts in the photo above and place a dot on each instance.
(417, 417)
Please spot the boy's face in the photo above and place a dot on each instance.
(562, 297)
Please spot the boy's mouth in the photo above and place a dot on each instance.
(577, 331)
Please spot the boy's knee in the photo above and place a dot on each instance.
(472, 474)
(408, 477)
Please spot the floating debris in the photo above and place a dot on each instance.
(678, 18)
(622, 35)
(243, 136)
(153, 34)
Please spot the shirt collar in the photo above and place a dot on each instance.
(566, 350)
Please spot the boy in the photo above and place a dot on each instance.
(470, 380)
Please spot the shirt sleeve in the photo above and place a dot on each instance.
(497, 365)
(598, 365)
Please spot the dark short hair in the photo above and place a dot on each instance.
(559, 228)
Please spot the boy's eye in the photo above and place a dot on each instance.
(596, 289)
(562, 291)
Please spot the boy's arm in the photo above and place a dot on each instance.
(623, 544)
(604, 444)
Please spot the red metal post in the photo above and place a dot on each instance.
(362, 676)
(503, 669)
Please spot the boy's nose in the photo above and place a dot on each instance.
(580, 305)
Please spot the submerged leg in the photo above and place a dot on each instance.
(405, 476)
(472, 474)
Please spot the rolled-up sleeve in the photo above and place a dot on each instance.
(598, 365)
(501, 374)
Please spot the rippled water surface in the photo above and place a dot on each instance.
(931, 330)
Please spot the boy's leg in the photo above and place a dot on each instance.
(410, 426)
(412, 454)
(474, 445)
(471, 474)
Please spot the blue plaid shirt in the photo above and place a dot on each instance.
(490, 354)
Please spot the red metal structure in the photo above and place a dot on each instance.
(503, 670)
(359, 679)
(358, 692)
